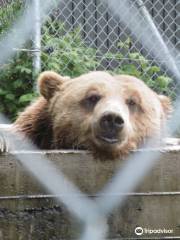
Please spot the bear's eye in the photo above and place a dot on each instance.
(90, 101)
(93, 99)
(134, 105)
(130, 102)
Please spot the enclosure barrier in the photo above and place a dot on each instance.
(28, 211)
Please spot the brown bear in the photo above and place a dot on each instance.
(109, 115)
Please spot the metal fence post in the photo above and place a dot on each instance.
(164, 49)
(37, 39)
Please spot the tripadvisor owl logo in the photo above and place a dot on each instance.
(139, 231)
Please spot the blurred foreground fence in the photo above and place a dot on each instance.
(79, 36)
(114, 44)
(28, 211)
(94, 23)
(74, 33)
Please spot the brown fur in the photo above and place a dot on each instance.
(61, 117)
(35, 123)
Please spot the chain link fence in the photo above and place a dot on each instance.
(81, 36)
(92, 34)
(115, 47)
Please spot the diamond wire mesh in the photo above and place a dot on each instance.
(109, 42)
(100, 36)
(81, 36)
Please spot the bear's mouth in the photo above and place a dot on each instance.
(108, 139)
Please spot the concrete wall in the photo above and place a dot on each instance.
(28, 212)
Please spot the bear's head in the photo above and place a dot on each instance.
(109, 115)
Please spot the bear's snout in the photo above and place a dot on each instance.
(111, 122)
(110, 126)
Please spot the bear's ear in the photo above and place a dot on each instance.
(49, 82)
(166, 104)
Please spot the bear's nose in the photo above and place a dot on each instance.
(111, 122)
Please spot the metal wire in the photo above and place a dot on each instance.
(101, 30)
